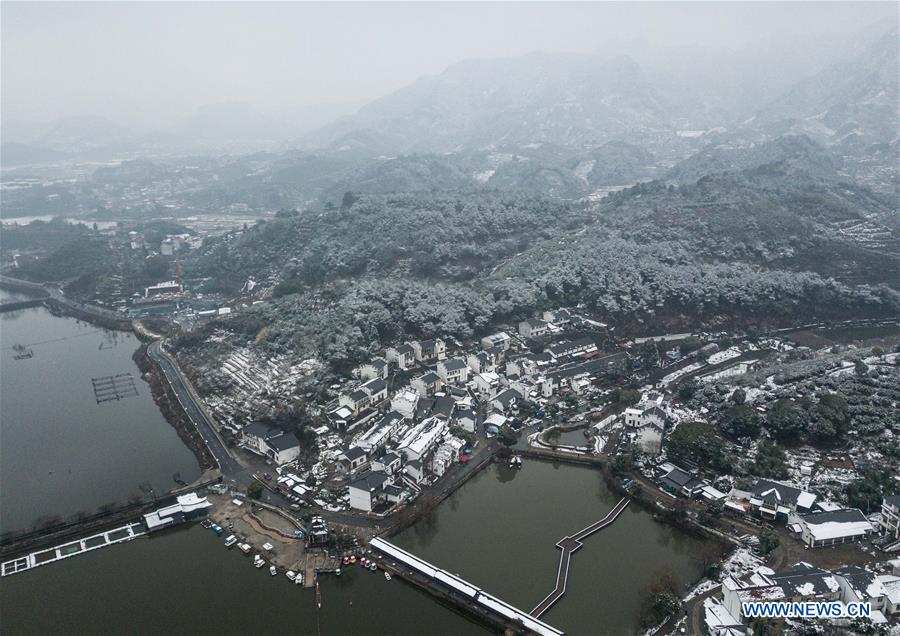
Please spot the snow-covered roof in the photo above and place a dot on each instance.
(849, 522)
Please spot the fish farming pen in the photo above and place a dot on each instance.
(114, 387)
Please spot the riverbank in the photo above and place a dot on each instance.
(164, 398)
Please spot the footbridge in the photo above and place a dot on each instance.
(568, 545)
(454, 590)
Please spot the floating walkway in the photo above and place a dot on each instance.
(452, 589)
(568, 545)
(66, 550)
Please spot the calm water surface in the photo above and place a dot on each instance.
(60, 451)
(186, 582)
(499, 530)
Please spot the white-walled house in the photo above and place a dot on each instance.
(355, 400)
(430, 350)
(487, 384)
(405, 401)
(367, 490)
(453, 371)
(890, 516)
(375, 368)
(376, 390)
(833, 527)
(428, 384)
(465, 418)
(533, 328)
(499, 339)
(404, 355)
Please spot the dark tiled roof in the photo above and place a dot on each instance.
(283, 442)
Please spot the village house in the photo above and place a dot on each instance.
(528, 366)
(890, 516)
(283, 449)
(480, 362)
(367, 490)
(442, 407)
(389, 463)
(270, 442)
(647, 415)
(415, 471)
(354, 458)
(859, 585)
(405, 401)
(430, 350)
(453, 371)
(500, 339)
(533, 328)
(465, 418)
(506, 401)
(559, 318)
(376, 437)
(428, 384)
(836, 526)
(355, 401)
(571, 348)
(404, 355)
(487, 384)
(422, 438)
(376, 390)
(376, 368)
(679, 481)
(775, 501)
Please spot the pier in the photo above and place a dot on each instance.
(66, 550)
(568, 545)
(454, 590)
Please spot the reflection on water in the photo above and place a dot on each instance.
(499, 533)
(64, 452)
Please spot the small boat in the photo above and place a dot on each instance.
(362, 561)
(318, 596)
(372, 566)
(246, 548)
(352, 559)
(230, 541)
(272, 570)
(338, 571)
(291, 574)
(298, 580)
(258, 562)
(346, 560)
(387, 576)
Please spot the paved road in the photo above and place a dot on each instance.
(227, 464)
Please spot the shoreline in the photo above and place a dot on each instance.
(172, 411)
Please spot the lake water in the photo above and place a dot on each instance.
(498, 532)
(60, 451)
(185, 582)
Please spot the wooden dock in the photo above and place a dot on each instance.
(568, 545)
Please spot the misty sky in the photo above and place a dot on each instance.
(152, 63)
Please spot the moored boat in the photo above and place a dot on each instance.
(230, 541)
(272, 570)
(387, 575)
(246, 548)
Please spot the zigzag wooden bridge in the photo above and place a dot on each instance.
(568, 545)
